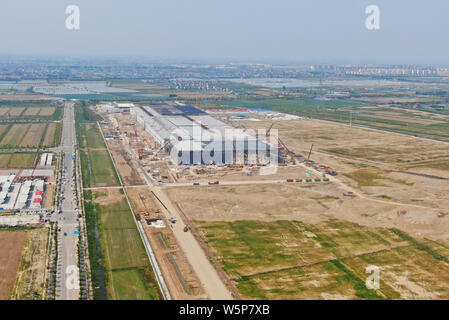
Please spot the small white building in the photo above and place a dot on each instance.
(49, 160)
(43, 159)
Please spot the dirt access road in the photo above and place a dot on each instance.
(209, 277)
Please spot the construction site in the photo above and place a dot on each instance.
(318, 198)
(162, 139)
(143, 155)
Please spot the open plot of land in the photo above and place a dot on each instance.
(14, 112)
(129, 271)
(379, 163)
(102, 171)
(354, 142)
(14, 135)
(33, 136)
(16, 160)
(10, 254)
(30, 135)
(92, 137)
(31, 111)
(4, 160)
(30, 279)
(310, 203)
(21, 160)
(294, 260)
(52, 134)
(47, 111)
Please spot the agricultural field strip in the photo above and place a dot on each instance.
(149, 250)
(308, 264)
(117, 281)
(346, 262)
(334, 258)
(27, 113)
(29, 135)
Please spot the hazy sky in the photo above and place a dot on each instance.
(296, 30)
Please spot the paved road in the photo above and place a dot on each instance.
(67, 285)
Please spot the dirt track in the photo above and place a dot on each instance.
(210, 279)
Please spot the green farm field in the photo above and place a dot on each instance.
(17, 160)
(30, 135)
(424, 124)
(98, 169)
(127, 267)
(27, 111)
(293, 260)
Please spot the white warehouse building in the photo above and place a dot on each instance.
(195, 138)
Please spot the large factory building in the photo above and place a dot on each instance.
(193, 137)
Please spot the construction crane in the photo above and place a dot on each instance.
(288, 151)
(308, 157)
(268, 131)
(163, 147)
(137, 143)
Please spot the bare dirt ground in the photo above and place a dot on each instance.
(31, 275)
(349, 150)
(10, 254)
(413, 203)
(47, 111)
(49, 190)
(309, 203)
(164, 244)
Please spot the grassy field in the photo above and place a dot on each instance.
(30, 280)
(371, 177)
(97, 167)
(294, 260)
(339, 110)
(17, 160)
(120, 266)
(100, 171)
(90, 136)
(128, 272)
(28, 111)
(30, 135)
(14, 136)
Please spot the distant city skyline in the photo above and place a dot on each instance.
(286, 31)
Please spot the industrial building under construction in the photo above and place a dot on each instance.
(193, 137)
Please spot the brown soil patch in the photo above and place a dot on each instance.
(10, 253)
